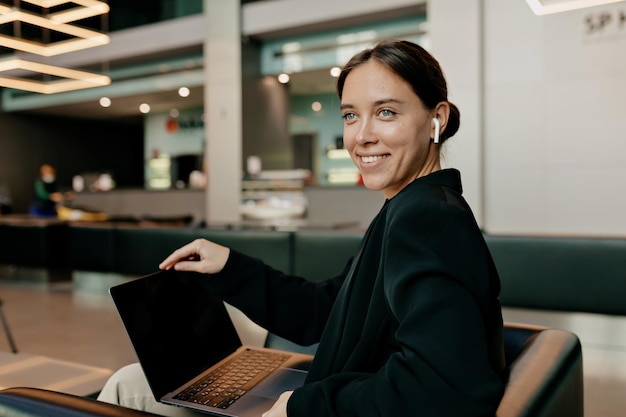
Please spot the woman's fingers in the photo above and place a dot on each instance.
(189, 251)
(200, 255)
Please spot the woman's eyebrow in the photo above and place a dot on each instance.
(376, 103)
(387, 100)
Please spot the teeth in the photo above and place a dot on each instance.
(369, 159)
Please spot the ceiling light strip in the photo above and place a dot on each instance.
(10, 15)
(542, 9)
(89, 8)
(58, 21)
(47, 3)
(53, 49)
(77, 13)
(86, 38)
(74, 79)
(94, 4)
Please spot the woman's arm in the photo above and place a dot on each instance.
(288, 306)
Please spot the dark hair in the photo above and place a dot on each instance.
(417, 67)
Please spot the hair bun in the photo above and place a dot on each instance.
(454, 121)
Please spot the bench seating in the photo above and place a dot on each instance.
(38, 247)
(557, 273)
(551, 273)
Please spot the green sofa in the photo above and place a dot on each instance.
(551, 273)
(561, 273)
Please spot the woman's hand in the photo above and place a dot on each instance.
(200, 255)
(279, 409)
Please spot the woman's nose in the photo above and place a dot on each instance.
(365, 134)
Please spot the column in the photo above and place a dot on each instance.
(222, 110)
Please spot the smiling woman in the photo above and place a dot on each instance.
(395, 117)
(421, 284)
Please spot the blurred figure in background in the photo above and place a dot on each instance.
(6, 204)
(47, 193)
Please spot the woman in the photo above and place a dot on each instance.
(412, 326)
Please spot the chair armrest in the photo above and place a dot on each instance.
(35, 402)
(546, 378)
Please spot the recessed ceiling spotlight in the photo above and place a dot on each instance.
(184, 92)
(335, 71)
(316, 106)
(105, 101)
(144, 108)
(283, 78)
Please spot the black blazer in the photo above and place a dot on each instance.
(411, 327)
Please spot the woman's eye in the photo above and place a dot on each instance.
(386, 113)
(349, 116)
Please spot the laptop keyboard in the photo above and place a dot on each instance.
(226, 384)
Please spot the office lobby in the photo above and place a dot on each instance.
(227, 151)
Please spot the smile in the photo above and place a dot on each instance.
(372, 158)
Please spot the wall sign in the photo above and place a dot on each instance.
(183, 124)
(605, 24)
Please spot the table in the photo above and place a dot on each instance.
(25, 370)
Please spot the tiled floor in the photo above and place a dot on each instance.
(56, 322)
(53, 321)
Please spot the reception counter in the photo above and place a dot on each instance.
(327, 206)
(140, 203)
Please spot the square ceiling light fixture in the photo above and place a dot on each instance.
(87, 8)
(58, 22)
(75, 37)
(66, 79)
(541, 7)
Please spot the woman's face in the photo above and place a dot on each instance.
(387, 129)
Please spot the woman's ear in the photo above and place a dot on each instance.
(441, 113)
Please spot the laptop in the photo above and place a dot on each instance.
(184, 339)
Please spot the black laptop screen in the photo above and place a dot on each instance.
(177, 326)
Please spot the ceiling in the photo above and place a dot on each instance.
(126, 109)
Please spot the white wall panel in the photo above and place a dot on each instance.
(555, 107)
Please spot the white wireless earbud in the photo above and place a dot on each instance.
(437, 129)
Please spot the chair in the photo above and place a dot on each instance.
(545, 380)
(545, 373)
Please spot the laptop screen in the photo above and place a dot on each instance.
(177, 325)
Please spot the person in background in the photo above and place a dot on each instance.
(413, 325)
(47, 193)
(6, 204)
